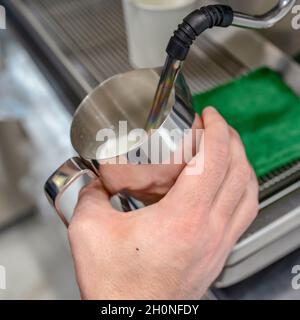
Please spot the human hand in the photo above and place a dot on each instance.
(173, 249)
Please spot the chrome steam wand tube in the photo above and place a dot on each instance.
(195, 24)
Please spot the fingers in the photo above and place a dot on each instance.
(226, 188)
(236, 180)
(201, 188)
(94, 189)
(245, 212)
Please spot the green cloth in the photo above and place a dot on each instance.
(266, 113)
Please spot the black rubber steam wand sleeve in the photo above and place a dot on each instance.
(194, 24)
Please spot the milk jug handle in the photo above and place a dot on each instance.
(63, 178)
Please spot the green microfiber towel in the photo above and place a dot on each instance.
(266, 113)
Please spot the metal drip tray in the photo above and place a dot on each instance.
(85, 43)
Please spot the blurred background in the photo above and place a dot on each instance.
(52, 53)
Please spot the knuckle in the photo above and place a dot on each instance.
(235, 135)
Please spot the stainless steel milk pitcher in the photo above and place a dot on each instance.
(124, 97)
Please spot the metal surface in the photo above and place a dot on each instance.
(266, 20)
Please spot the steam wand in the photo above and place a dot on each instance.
(192, 26)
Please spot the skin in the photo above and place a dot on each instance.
(175, 248)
